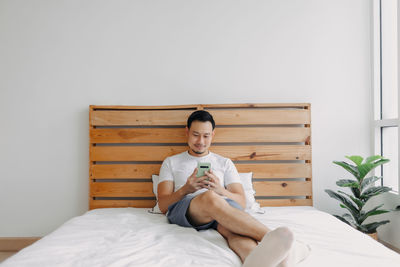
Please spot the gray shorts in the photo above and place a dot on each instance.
(177, 213)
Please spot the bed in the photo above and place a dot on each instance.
(127, 146)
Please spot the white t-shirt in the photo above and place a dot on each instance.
(179, 167)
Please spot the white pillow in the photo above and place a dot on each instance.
(246, 179)
(251, 204)
(156, 179)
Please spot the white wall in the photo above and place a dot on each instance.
(58, 57)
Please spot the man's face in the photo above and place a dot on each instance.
(199, 135)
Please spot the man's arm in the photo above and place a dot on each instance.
(167, 196)
(235, 192)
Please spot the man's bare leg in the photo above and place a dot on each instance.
(210, 206)
(241, 245)
(274, 249)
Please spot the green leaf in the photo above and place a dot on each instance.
(347, 204)
(348, 217)
(373, 158)
(369, 181)
(356, 159)
(347, 183)
(355, 191)
(365, 168)
(374, 191)
(350, 168)
(376, 212)
(371, 227)
(372, 212)
(343, 219)
(358, 202)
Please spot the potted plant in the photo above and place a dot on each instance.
(362, 189)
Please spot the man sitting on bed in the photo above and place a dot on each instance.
(216, 200)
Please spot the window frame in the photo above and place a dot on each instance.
(379, 123)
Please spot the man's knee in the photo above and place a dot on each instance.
(202, 208)
(212, 200)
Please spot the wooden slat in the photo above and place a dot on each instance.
(144, 189)
(238, 105)
(135, 153)
(96, 204)
(284, 202)
(273, 152)
(131, 171)
(261, 134)
(159, 153)
(122, 107)
(277, 170)
(259, 105)
(122, 189)
(179, 117)
(146, 135)
(261, 116)
(223, 135)
(139, 117)
(286, 188)
(125, 171)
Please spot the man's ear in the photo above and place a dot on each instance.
(187, 131)
(213, 133)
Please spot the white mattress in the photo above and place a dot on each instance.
(134, 237)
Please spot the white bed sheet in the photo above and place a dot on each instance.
(134, 237)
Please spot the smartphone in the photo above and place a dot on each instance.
(202, 167)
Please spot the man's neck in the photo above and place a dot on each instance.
(198, 155)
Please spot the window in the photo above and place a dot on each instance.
(386, 88)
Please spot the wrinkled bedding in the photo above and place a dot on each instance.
(135, 237)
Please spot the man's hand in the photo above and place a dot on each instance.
(194, 183)
(212, 183)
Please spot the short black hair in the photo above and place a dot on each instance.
(200, 115)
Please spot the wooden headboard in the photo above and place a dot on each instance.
(129, 143)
